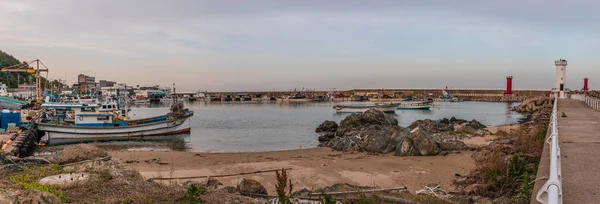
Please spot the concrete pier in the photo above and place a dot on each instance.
(579, 141)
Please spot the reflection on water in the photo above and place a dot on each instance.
(269, 126)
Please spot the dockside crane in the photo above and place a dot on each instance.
(25, 67)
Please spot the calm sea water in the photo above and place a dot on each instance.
(270, 126)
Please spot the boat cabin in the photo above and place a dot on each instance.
(97, 116)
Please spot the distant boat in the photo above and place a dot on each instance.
(416, 106)
(386, 108)
(298, 97)
(386, 99)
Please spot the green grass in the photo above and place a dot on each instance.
(192, 195)
(28, 179)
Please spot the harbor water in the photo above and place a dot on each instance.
(271, 126)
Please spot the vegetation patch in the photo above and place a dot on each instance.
(284, 187)
(28, 179)
(192, 195)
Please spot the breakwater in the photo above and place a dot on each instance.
(487, 95)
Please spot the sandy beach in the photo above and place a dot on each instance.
(311, 168)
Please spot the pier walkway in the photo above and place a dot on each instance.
(579, 138)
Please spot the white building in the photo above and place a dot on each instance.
(561, 76)
(25, 91)
(118, 89)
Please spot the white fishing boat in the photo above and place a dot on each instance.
(416, 106)
(386, 108)
(91, 124)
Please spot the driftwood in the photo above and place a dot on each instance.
(395, 199)
(316, 196)
(218, 176)
(360, 191)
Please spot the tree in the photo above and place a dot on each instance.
(11, 79)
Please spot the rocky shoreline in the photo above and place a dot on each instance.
(376, 132)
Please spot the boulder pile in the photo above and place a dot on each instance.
(534, 105)
(376, 132)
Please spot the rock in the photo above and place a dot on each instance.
(379, 139)
(418, 143)
(371, 131)
(327, 126)
(11, 168)
(248, 186)
(370, 117)
(445, 121)
(212, 183)
(339, 187)
(453, 120)
(27, 196)
(459, 128)
(453, 145)
(65, 179)
(302, 193)
(80, 152)
(469, 129)
(475, 124)
(230, 189)
(534, 104)
(474, 189)
(431, 126)
(326, 137)
(484, 201)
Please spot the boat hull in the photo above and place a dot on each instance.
(415, 108)
(391, 108)
(364, 109)
(67, 134)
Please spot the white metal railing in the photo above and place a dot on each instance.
(592, 102)
(551, 192)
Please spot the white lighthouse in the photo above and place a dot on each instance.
(561, 70)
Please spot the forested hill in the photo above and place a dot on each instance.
(7, 60)
(12, 80)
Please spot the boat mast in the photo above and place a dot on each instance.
(174, 93)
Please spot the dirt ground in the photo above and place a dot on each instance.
(311, 168)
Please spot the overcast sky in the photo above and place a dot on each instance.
(225, 45)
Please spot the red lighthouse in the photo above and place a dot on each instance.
(585, 84)
(508, 86)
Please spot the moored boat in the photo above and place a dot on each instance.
(90, 124)
(416, 106)
(386, 108)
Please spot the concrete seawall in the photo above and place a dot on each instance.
(361, 92)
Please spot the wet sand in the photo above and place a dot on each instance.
(311, 168)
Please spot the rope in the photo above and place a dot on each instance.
(435, 191)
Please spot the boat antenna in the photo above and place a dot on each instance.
(174, 93)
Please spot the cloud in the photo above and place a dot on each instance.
(286, 43)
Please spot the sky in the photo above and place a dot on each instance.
(241, 45)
